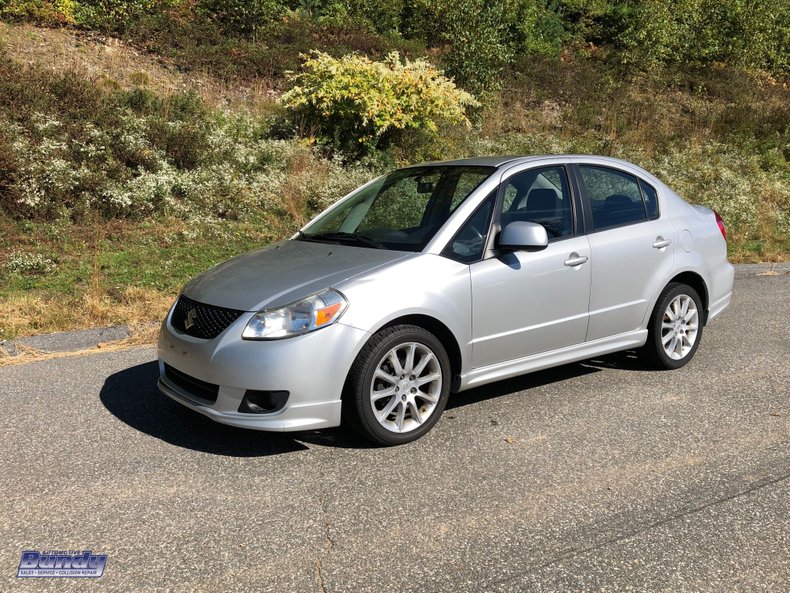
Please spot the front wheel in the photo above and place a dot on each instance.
(675, 327)
(398, 386)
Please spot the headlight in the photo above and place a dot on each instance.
(310, 314)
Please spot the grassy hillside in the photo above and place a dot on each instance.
(139, 149)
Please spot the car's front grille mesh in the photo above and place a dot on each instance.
(200, 320)
(192, 386)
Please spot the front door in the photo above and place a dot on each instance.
(528, 302)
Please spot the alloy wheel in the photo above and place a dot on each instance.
(679, 327)
(406, 387)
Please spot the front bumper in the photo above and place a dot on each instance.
(312, 368)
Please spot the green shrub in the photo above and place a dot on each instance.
(113, 15)
(476, 35)
(383, 15)
(45, 12)
(750, 34)
(479, 38)
(356, 104)
(538, 29)
(242, 17)
(593, 21)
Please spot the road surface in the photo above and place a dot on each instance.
(598, 476)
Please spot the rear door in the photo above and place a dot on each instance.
(629, 247)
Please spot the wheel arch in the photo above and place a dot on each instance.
(696, 282)
(445, 336)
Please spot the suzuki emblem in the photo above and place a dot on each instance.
(190, 320)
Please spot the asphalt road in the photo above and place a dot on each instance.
(599, 476)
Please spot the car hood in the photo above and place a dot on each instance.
(283, 273)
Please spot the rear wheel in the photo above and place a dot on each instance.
(398, 386)
(675, 327)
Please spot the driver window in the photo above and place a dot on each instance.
(542, 196)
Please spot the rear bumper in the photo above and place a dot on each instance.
(715, 309)
(722, 284)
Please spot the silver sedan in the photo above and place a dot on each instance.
(440, 277)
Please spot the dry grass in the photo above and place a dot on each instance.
(304, 173)
(115, 64)
(28, 314)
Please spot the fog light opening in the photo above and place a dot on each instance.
(263, 402)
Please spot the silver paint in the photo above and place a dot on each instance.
(511, 313)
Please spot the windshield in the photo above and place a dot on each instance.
(400, 211)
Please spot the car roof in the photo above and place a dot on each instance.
(481, 161)
(499, 161)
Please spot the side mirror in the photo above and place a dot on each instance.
(522, 235)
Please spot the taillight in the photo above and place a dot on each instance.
(720, 222)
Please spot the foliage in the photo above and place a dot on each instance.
(243, 17)
(476, 34)
(23, 262)
(113, 15)
(747, 33)
(476, 39)
(480, 38)
(71, 151)
(538, 28)
(48, 12)
(593, 21)
(383, 15)
(356, 104)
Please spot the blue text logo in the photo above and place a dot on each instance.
(61, 563)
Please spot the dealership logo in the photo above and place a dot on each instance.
(61, 563)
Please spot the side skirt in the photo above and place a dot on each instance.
(544, 360)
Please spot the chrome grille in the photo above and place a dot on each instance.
(200, 320)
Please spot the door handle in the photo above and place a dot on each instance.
(660, 242)
(574, 259)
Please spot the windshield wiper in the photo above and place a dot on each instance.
(342, 238)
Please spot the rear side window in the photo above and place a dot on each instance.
(615, 197)
(651, 199)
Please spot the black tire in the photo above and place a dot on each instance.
(654, 351)
(358, 408)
